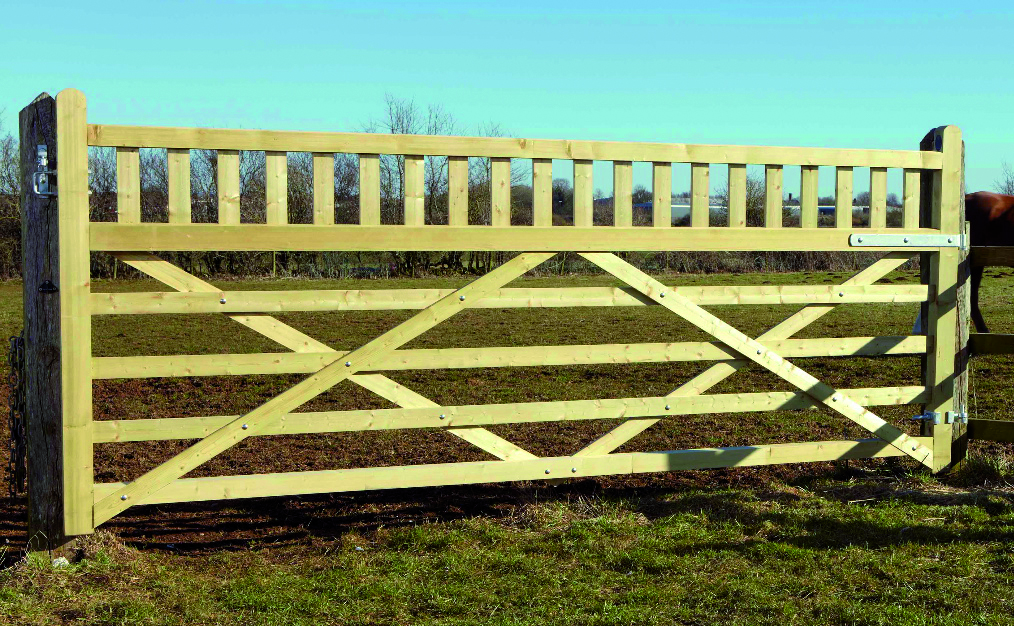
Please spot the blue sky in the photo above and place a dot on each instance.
(869, 75)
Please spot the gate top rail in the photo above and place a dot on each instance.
(437, 145)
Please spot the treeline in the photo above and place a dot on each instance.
(402, 117)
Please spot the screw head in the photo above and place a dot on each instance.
(859, 239)
(759, 351)
(667, 407)
(915, 447)
(348, 363)
(841, 294)
(222, 300)
(547, 471)
(123, 497)
(834, 398)
(661, 295)
(442, 416)
(573, 469)
(462, 298)
(245, 426)
(905, 239)
(950, 240)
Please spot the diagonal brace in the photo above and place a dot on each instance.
(718, 372)
(239, 429)
(758, 353)
(297, 341)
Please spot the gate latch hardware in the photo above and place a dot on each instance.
(43, 178)
(932, 417)
(950, 417)
(955, 417)
(890, 240)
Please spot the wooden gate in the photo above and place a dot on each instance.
(932, 197)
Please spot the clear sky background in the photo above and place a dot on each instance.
(855, 74)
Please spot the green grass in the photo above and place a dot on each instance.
(875, 543)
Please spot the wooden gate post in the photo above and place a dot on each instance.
(55, 405)
(946, 317)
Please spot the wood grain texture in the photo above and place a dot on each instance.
(40, 236)
(661, 195)
(773, 196)
(128, 186)
(583, 194)
(542, 192)
(457, 191)
(808, 197)
(323, 188)
(700, 202)
(499, 147)
(228, 187)
(178, 171)
(369, 189)
(276, 166)
(737, 195)
(622, 193)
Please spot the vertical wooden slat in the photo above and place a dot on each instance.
(75, 340)
(457, 189)
(700, 201)
(944, 266)
(773, 196)
(369, 189)
(911, 202)
(808, 197)
(878, 197)
(228, 187)
(323, 188)
(623, 174)
(128, 186)
(542, 192)
(737, 195)
(500, 190)
(178, 161)
(583, 202)
(415, 190)
(661, 195)
(277, 187)
(843, 197)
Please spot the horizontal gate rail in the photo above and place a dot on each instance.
(113, 237)
(141, 429)
(990, 343)
(462, 358)
(547, 468)
(407, 299)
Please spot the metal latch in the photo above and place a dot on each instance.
(43, 178)
(932, 417)
(890, 240)
(955, 417)
(950, 417)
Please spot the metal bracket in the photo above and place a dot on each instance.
(950, 417)
(42, 184)
(932, 417)
(955, 417)
(890, 240)
(47, 286)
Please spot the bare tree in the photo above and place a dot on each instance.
(10, 204)
(1005, 184)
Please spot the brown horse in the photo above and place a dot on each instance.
(991, 219)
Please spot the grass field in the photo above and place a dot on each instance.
(877, 542)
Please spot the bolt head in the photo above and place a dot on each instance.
(759, 351)
(841, 294)
(442, 416)
(905, 239)
(348, 363)
(667, 407)
(859, 239)
(222, 300)
(950, 240)
(661, 295)
(246, 426)
(123, 497)
(462, 298)
(547, 471)
(573, 469)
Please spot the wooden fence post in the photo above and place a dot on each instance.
(946, 317)
(53, 519)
